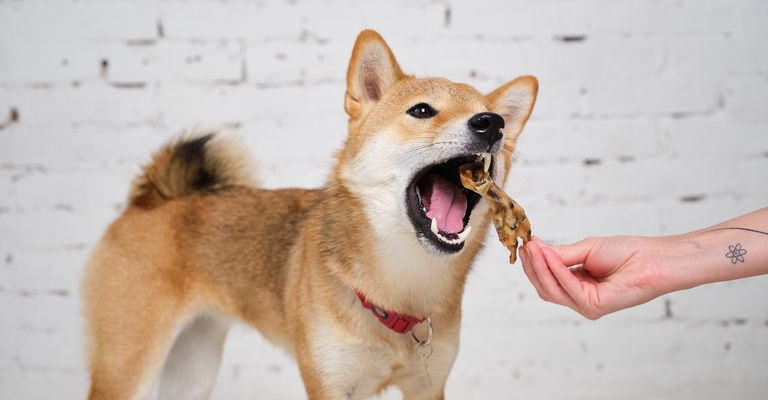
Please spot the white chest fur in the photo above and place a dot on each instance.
(355, 368)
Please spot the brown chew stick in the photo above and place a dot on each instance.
(508, 217)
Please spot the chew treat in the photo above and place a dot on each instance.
(508, 217)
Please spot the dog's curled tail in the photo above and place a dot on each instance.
(194, 163)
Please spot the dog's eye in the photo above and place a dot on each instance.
(422, 110)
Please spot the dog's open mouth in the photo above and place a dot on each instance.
(439, 206)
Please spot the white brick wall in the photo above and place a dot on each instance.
(652, 119)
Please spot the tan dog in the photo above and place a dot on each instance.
(337, 276)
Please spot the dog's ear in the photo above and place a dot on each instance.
(372, 71)
(514, 101)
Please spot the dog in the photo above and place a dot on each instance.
(361, 280)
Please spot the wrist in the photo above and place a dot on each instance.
(707, 256)
(676, 259)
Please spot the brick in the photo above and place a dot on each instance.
(750, 17)
(209, 104)
(716, 137)
(197, 62)
(388, 18)
(36, 318)
(297, 20)
(253, 359)
(205, 20)
(91, 192)
(43, 63)
(239, 104)
(96, 104)
(525, 359)
(595, 57)
(579, 221)
(715, 56)
(637, 181)
(724, 302)
(40, 63)
(86, 148)
(504, 19)
(684, 216)
(503, 60)
(579, 140)
(54, 274)
(658, 96)
(630, 18)
(35, 21)
(289, 62)
(46, 384)
(52, 230)
(747, 98)
(559, 100)
(677, 178)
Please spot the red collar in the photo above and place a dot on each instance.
(399, 323)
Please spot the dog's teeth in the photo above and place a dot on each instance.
(487, 162)
(460, 238)
(434, 226)
(463, 235)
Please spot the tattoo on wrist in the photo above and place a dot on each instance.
(736, 253)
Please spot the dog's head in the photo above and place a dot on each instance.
(407, 138)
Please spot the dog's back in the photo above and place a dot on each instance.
(188, 249)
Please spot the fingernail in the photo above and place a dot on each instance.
(530, 245)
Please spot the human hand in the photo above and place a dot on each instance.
(596, 276)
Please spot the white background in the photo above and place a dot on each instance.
(652, 119)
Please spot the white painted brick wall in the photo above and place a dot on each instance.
(652, 119)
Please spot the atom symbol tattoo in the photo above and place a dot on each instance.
(736, 253)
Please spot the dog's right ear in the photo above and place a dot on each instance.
(372, 71)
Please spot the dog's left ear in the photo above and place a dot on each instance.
(514, 101)
(372, 70)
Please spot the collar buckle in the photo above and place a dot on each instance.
(399, 323)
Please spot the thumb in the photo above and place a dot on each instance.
(575, 253)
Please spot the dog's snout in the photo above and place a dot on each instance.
(487, 126)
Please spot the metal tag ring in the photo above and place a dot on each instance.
(429, 334)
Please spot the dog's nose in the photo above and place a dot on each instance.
(487, 126)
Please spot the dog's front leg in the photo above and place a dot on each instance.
(435, 393)
(416, 385)
(341, 366)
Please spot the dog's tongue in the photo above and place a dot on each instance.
(444, 201)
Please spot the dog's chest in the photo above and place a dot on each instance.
(357, 369)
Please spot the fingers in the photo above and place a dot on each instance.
(538, 272)
(528, 269)
(565, 278)
(575, 253)
(555, 282)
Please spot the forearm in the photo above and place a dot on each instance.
(623, 271)
(734, 249)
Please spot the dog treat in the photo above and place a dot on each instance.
(508, 217)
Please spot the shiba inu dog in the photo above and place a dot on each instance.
(360, 280)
